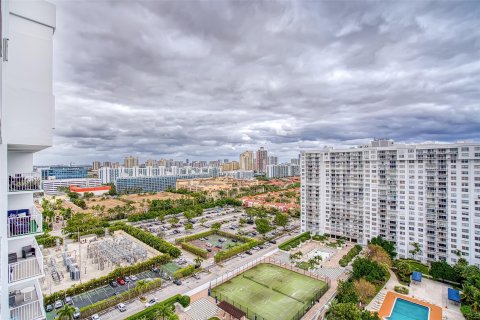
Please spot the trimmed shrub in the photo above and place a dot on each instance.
(401, 289)
(184, 301)
(345, 260)
(150, 312)
(184, 272)
(195, 250)
(48, 241)
(228, 253)
(295, 242)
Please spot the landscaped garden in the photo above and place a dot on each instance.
(271, 292)
(220, 244)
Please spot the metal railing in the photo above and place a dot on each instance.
(30, 181)
(26, 268)
(25, 225)
(28, 311)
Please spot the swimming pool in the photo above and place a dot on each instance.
(406, 310)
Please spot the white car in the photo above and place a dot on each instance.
(151, 302)
(121, 307)
(58, 304)
(133, 278)
(96, 317)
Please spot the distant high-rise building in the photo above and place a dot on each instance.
(151, 163)
(230, 166)
(261, 160)
(295, 161)
(272, 160)
(282, 170)
(246, 160)
(96, 165)
(130, 162)
(225, 160)
(107, 164)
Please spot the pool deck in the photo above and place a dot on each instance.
(388, 303)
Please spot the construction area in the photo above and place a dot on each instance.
(91, 257)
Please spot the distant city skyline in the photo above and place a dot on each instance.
(200, 81)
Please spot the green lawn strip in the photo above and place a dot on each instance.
(417, 266)
(150, 312)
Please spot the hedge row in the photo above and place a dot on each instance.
(295, 242)
(100, 231)
(184, 272)
(228, 253)
(195, 250)
(345, 260)
(151, 312)
(149, 239)
(48, 241)
(112, 276)
(122, 297)
(195, 236)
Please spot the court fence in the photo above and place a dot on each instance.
(252, 315)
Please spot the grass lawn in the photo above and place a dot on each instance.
(417, 266)
(271, 292)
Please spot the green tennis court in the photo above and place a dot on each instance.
(271, 292)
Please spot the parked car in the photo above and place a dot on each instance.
(96, 317)
(196, 276)
(133, 278)
(273, 241)
(234, 240)
(121, 307)
(49, 308)
(156, 270)
(121, 281)
(150, 302)
(248, 252)
(76, 314)
(58, 304)
(177, 282)
(127, 279)
(209, 250)
(68, 300)
(219, 246)
(113, 284)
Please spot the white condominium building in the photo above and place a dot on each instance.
(27, 118)
(425, 193)
(282, 170)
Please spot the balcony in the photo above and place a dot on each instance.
(26, 303)
(24, 222)
(21, 182)
(26, 264)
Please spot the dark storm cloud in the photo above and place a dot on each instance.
(210, 79)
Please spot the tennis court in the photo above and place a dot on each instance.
(271, 292)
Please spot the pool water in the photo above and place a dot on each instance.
(406, 310)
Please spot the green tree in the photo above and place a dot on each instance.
(403, 269)
(173, 220)
(141, 286)
(163, 311)
(388, 246)
(263, 225)
(281, 220)
(415, 250)
(188, 226)
(344, 311)
(198, 261)
(216, 226)
(442, 270)
(346, 292)
(66, 313)
(368, 269)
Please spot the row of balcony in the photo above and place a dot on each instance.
(26, 302)
(19, 182)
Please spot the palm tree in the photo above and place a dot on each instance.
(198, 261)
(66, 313)
(163, 311)
(140, 286)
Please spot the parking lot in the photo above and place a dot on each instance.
(101, 293)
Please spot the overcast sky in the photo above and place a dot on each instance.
(210, 79)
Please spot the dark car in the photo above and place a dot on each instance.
(49, 308)
(234, 240)
(249, 221)
(273, 241)
(209, 250)
(156, 270)
(113, 284)
(248, 252)
(177, 282)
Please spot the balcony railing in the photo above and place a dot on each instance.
(26, 303)
(24, 182)
(28, 266)
(24, 222)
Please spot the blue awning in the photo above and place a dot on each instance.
(417, 276)
(453, 295)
